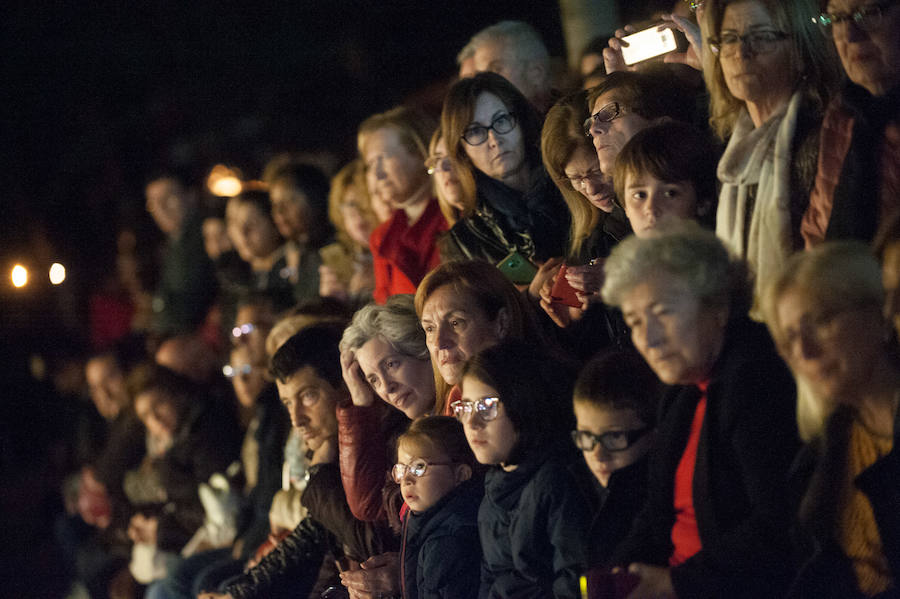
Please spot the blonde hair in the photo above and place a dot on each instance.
(413, 128)
(351, 177)
(813, 58)
(836, 276)
(561, 137)
(450, 213)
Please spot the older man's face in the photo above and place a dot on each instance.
(500, 58)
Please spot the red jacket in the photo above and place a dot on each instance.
(403, 255)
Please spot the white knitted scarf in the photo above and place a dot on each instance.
(756, 164)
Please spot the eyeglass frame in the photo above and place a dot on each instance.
(827, 20)
(488, 128)
(619, 110)
(433, 162)
(695, 5)
(242, 330)
(578, 183)
(631, 437)
(231, 372)
(715, 43)
(407, 469)
(462, 407)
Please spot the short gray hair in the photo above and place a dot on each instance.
(395, 322)
(688, 252)
(520, 35)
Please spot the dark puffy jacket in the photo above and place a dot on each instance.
(533, 525)
(621, 500)
(441, 554)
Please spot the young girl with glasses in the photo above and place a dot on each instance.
(536, 512)
(440, 555)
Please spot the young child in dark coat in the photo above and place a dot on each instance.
(440, 555)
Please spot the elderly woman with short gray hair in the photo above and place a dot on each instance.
(715, 519)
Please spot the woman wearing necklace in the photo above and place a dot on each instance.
(825, 313)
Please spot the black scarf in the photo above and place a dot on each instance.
(854, 214)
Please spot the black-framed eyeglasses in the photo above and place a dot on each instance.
(231, 371)
(438, 163)
(416, 468)
(611, 441)
(608, 113)
(475, 135)
(759, 42)
(867, 17)
(486, 408)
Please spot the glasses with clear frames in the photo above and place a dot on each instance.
(867, 17)
(416, 468)
(486, 408)
(759, 42)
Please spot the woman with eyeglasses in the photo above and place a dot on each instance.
(453, 201)
(492, 135)
(716, 517)
(536, 511)
(858, 178)
(770, 72)
(825, 313)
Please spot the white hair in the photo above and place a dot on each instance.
(522, 37)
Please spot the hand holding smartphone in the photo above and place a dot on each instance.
(562, 292)
(652, 42)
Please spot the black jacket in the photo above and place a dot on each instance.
(441, 554)
(620, 502)
(747, 443)
(535, 223)
(533, 525)
(820, 469)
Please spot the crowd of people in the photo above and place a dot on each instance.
(604, 343)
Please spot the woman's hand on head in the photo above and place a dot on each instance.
(692, 56)
(361, 393)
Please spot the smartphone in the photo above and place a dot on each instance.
(517, 268)
(652, 42)
(562, 292)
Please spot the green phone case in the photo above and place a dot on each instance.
(517, 268)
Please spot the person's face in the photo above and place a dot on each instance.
(870, 57)
(355, 223)
(215, 237)
(157, 411)
(765, 76)
(651, 203)
(440, 477)
(456, 328)
(502, 155)
(890, 278)
(398, 173)
(247, 385)
(600, 420)
(254, 335)
(585, 176)
(288, 210)
(500, 58)
(610, 137)
(491, 441)
(467, 68)
(590, 63)
(258, 237)
(679, 337)
(834, 352)
(107, 386)
(310, 401)
(166, 203)
(445, 178)
(405, 382)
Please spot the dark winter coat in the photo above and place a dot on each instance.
(747, 442)
(440, 554)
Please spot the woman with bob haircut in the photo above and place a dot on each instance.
(770, 72)
(463, 308)
(536, 512)
(393, 147)
(716, 518)
(454, 203)
(492, 136)
(348, 275)
(825, 313)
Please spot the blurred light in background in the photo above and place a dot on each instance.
(19, 276)
(57, 273)
(224, 181)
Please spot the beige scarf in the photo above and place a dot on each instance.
(753, 217)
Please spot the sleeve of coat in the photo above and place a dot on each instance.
(764, 440)
(361, 444)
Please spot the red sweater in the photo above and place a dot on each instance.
(685, 533)
(403, 255)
